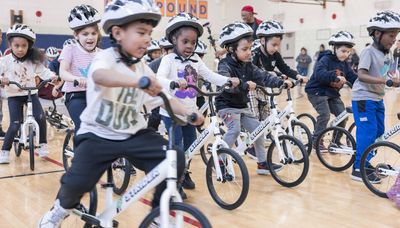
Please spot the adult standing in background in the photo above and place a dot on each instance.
(321, 49)
(249, 18)
(303, 62)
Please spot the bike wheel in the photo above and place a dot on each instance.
(308, 120)
(336, 148)
(352, 129)
(295, 163)
(205, 151)
(31, 137)
(121, 173)
(380, 166)
(68, 149)
(230, 191)
(17, 146)
(180, 213)
(302, 133)
(87, 205)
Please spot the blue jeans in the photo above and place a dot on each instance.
(370, 122)
(184, 135)
(303, 71)
(75, 103)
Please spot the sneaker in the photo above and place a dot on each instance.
(251, 152)
(372, 177)
(188, 182)
(4, 157)
(2, 133)
(43, 152)
(263, 169)
(54, 217)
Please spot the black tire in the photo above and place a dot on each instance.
(205, 151)
(31, 137)
(300, 159)
(121, 170)
(336, 161)
(241, 172)
(305, 137)
(68, 148)
(352, 129)
(17, 146)
(198, 219)
(88, 206)
(378, 167)
(307, 117)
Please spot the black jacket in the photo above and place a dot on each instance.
(237, 97)
(325, 72)
(269, 62)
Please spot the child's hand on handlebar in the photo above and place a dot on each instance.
(289, 84)
(82, 82)
(235, 82)
(302, 78)
(182, 83)
(199, 120)
(4, 81)
(251, 85)
(155, 88)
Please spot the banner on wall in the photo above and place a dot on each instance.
(169, 8)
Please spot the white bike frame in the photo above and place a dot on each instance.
(30, 121)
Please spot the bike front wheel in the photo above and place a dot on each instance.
(181, 215)
(31, 137)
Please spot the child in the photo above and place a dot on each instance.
(2, 133)
(231, 105)
(22, 66)
(267, 56)
(201, 50)
(153, 52)
(329, 76)
(183, 31)
(105, 135)
(75, 59)
(51, 54)
(369, 88)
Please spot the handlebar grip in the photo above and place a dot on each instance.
(76, 83)
(389, 83)
(192, 118)
(174, 85)
(144, 82)
(229, 83)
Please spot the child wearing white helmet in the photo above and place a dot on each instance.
(329, 76)
(22, 66)
(369, 88)
(52, 53)
(75, 59)
(154, 51)
(112, 126)
(183, 65)
(267, 56)
(231, 105)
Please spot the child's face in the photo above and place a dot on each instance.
(155, 54)
(243, 51)
(303, 51)
(388, 39)
(343, 52)
(88, 37)
(186, 42)
(273, 44)
(19, 46)
(134, 38)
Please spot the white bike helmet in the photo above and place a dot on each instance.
(201, 48)
(341, 38)
(269, 28)
(21, 30)
(180, 20)
(164, 43)
(82, 16)
(154, 45)
(52, 52)
(383, 21)
(256, 44)
(234, 32)
(69, 42)
(120, 12)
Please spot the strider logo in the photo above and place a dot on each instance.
(141, 185)
(338, 118)
(259, 129)
(201, 137)
(391, 132)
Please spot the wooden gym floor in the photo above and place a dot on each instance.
(324, 199)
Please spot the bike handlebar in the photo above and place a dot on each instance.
(282, 87)
(175, 85)
(145, 82)
(44, 82)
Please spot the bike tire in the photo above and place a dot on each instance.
(31, 137)
(67, 147)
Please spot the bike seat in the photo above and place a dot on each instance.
(398, 115)
(349, 109)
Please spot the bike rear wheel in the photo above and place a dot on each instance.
(68, 149)
(121, 172)
(17, 146)
(308, 120)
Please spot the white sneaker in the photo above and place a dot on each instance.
(54, 217)
(4, 157)
(43, 152)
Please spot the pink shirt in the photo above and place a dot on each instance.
(80, 61)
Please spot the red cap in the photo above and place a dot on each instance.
(248, 8)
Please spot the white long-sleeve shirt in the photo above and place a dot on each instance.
(22, 72)
(172, 68)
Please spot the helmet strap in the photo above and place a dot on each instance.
(378, 44)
